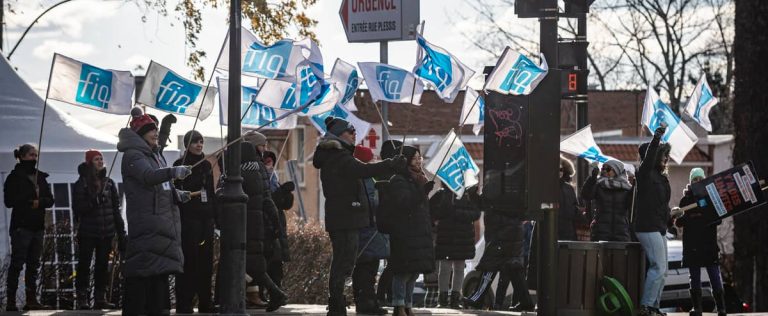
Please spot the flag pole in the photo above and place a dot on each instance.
(253, 100)
(280, 153)
(42, 124)
(383, 123)
(413, 89)
(461, 127)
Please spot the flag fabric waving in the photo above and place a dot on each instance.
(678, 135)
(516, 74)
(458, 171)
(441, 69)
(582, 144)
(90, 87)
(700, 103)
(362, 127)
(165, 90)
(257, 114)
(473, 110)
(347, 80)
(391, 84)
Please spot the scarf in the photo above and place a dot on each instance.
(617, 182)
(417, 174)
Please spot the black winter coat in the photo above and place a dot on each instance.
(342, 175)
(97, 212)
(412, 247)
(455, 227)
(18, 194)
(503, 240)
(569, 212)
(200, 179)
(651, 212)
(699, 238)
(612, 210)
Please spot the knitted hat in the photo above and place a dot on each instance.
(696, 173)
(337, 126)
(143, 124)
(363, 153)
(192, 136)
(90, 154)
(256, 138)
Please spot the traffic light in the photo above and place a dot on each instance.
(527, 8)
(573, 8)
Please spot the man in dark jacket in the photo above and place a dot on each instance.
(346, 205)
(651, 214)
(570, 214)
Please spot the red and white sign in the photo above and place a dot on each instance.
(379, 20)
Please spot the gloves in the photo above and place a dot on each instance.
(184, 196)
(288, 186)
(660, 131)
(676, 211)
(165, 129)
(181, 172)
(594, 169)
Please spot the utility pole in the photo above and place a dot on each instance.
(383, 58)
(582, 101)
(233, 212)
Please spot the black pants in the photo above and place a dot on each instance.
(26, 247)
(344, 244)
(87, 246)
(273, 255)
(147, 296)
(197, 246)
(384, 289)
(364, 280)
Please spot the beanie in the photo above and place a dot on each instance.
(256, 138)
(696, 173)
(337, 126)
(390, 148)
(363, 153)
(269, 155)
(191, 137)
(409, 152)
(90, 154)
(142, 124)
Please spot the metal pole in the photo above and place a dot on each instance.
(383, 58)
(582, 106)
(547, 289)
(233, 212)
(2, 26)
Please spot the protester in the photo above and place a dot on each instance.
(455, 242)
(255, 186)
(96, 205)
(570, 214)
(411, 241)
(612, 194)
(154, 225)
(374, 246)
(650, 218)
(700, 248)
(389, 149)
(27, 193)
(346, 205)
(198, 221)
(282, 195)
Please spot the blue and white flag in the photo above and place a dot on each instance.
(165, 90)
(458, 171)
(362, 127)
(516, 74)
(91, 87)
(277, 61)
(473, 110)
(582, 144)
(442, 70)
(391, 84)
(257, 114)
(700, 103)
(678, 135)
(347, 80)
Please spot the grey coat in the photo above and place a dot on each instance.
(154, 224)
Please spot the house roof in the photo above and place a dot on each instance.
(628, 152)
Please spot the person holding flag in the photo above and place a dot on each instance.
(612, 194)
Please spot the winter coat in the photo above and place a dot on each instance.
(699, 237)
(503, 240)
(412, 247)
(283, 199)
(612, 206)
(154, 223)
(651, 212)
(455, 225)
(346, 205)
(97, 213)
(18, 194)
(374, 244)
(569, 212)
(200, 179)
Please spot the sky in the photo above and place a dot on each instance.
(119, 35)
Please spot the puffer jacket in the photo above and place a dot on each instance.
(346, 204)
(154, 223)
(611, 218)
(412, 247)
(455, 225)
(18, 194)
(699, 234)
(651, 213)
(503, 240)
(97, 214)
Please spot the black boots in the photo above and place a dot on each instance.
(720, 302)
(455, 300)
(695, 302)
(10, 305)
(100, 301)
(277, 298)
(82, 300)
(337, 306)
(442, 300)
(369, 307)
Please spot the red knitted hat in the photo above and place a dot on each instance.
(90, 154)
(363, 153)
(142, 124)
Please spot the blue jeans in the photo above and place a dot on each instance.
(655, 246)
(714, 277)
(402, 289)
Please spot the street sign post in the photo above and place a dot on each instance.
(367, 21)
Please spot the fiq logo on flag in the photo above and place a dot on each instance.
(255, 114)
(268, 61)
(435, 67)
(176, 94)
(390, 80)
(594, 154)
(94, 87)
(522, 74)
(452, 172)
(516, 74)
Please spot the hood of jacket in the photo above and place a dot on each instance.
(327, 147)
(82, 170)
(21, 170)
(128, 139)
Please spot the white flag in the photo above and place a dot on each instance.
(473, 110)
(391, 84)
(458, 171)
(700, 103)
(277, 61)
(91, 87)
(441, 69)
(582, 144)
(362, 127)
(347, 80)
(165, 90)
(516, 74)
(257, 114)
(678, 135)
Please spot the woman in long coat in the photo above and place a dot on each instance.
(613, 196)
